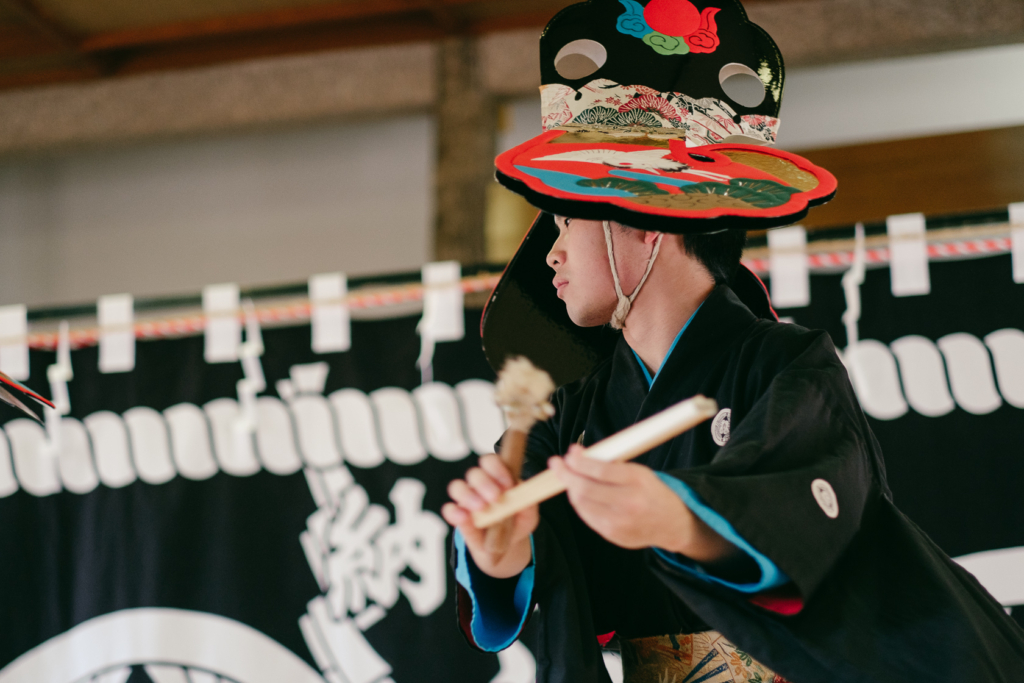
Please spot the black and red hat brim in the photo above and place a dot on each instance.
(665, 186)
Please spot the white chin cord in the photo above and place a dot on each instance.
(618, 320)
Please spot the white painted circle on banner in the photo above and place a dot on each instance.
(169, 644)
(826, 497)
(720, 426)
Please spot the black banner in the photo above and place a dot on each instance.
(155, 546)
(163, 536)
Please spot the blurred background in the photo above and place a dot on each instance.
(242, 493)
(157, 147)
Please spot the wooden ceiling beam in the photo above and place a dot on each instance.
(446, 18)
(341, 24)
(51, 31)
(432, 22)
(261, 22)
(256, 36)
(42, 23)
(511, 22)
(299, 40)
(21, 42)
(71, 74)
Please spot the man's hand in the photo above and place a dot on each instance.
(484, 485)
(630, 506)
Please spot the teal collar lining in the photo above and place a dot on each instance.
(643, 368)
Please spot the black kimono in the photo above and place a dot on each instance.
(869, 597)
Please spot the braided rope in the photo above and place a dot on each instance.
(301, 311)
(937, 251)
(618, 320)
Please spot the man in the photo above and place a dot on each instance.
(624, 502)
(761, 546)
(779, 534)
(627, 504)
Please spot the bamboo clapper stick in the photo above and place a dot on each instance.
(524, 393)
(624, 445)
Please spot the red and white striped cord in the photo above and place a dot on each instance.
(300, 312)
(831, 261)
(295, 312)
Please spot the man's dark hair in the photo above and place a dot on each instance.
(719, 252)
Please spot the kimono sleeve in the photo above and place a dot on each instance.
(556, 587)
(795, 475)
(769, 576)
(493, 612)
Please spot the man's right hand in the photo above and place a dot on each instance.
(484, 485)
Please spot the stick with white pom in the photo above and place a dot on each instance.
(625, 445)
(523, 392)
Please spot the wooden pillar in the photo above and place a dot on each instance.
(466, 125)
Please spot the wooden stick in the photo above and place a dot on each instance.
(524, 393)
(513, 452)
(625, 445)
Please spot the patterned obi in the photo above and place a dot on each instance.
(705, 657)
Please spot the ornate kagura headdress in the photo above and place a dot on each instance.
(658, 115)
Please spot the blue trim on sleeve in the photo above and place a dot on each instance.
(488, 635)
(771, 575)
(647, 373)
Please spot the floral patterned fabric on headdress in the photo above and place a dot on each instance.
(604, 106)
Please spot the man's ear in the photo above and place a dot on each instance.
(649, 237)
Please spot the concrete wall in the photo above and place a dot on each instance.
(276, 205)
(254, 208)
(936, 94)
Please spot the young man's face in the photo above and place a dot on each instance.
(583, 275)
